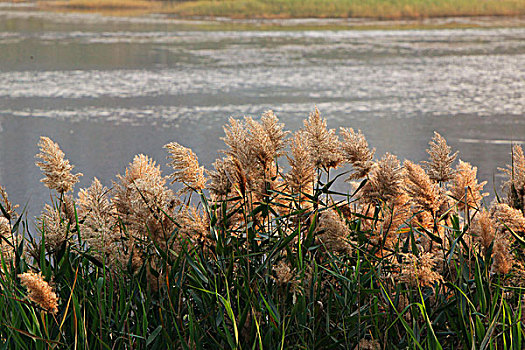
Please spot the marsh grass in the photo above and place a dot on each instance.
(401, 9)
(269, 260)
(285, 9)
(101, 5)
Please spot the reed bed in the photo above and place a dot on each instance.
(399, 9)
(246, 255)
(100, 4)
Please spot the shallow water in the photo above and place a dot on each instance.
(109, 88)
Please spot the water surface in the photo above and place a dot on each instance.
(109, 88)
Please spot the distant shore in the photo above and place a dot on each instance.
(508, 14)
(285, 9)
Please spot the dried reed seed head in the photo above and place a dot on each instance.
(266, 139)
(514, 186)
(356, 151)
(384, 181)
(8, 206)
(54, 226)
(302, 174)
(5, 227)
(464, 186)
(502, 259)
(193, 227)
(141, 198)
(439, 168)
(274, 130)
(99, 220)
(333, 232)
(507, 217)
(250, 159)
(323, 144)
(283, 273)
(483, 228)
(221, 178)
(6, 242)
(423, 219)
(68, 208)
(425, 194)
(260, 146)
(56, 169)
(186, 166)
(253, 146)
(420, 270)
(369, 344)
(240, 177)
(396, 215)
(142, 168)
(236, 138)
(94, 200)
(39, 291)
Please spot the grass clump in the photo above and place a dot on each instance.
(249, 256)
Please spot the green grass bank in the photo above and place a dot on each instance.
(382, 9)
(289, 9)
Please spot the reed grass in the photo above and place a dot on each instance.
(101, 4)
(248, 256)
(399, 9)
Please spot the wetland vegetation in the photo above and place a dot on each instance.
(260, 251)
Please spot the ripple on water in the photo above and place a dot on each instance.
(133, 85)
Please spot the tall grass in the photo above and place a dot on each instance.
(348, 8)
(406, 257)
(379, 9)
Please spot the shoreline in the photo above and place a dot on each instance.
(304, 23)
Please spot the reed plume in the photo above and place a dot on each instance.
(419, 270)
(56, 169)
(464, 186)
(356, 151)
(483, 228)
(439, 167)
(323, 144)
(99, 224)
(193, 228)
(261, 149)
(221, 178)
(507, 218)
(366, 344)
(514, 186)
(267, 140)
(425, 194)
(236, 138)
(9, 208)
(142, 199)
(333, 232)
(384, 181)
(274, 130)
(55, 227)
(244, 137)
(302, 174)
(40, 291)
(394, 216)
(252, 151)
(502, 260)
(5, 228)
(283, 273)
(7, 248)
(186, 168)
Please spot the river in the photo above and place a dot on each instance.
(107, 88)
